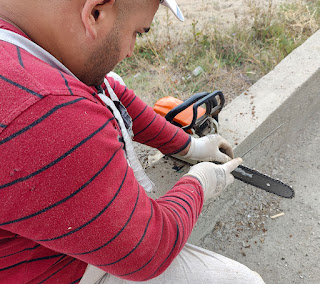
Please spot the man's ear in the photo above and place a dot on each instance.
(91, 14)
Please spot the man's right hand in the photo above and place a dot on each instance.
(214, 178)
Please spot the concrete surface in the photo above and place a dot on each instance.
(239, 224)
(286, 249)
(290, 250)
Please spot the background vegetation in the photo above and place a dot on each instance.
(229, 59)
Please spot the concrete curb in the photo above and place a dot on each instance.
(284, 96)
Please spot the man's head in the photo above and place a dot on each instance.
(88, 36)
(110, 31)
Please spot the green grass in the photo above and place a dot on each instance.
(247, 50)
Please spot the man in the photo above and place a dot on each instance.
(72, 193)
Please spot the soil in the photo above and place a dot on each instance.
(201, 16)
(221, 13)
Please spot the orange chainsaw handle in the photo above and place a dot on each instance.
(210, 101)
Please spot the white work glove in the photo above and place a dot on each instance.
(210, 148)
(214, 178)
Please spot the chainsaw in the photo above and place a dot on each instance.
(198, 116)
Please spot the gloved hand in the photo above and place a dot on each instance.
(210, 148)
(214, 178)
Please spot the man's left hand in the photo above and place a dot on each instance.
(210, 148)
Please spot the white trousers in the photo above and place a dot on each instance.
(192, 265)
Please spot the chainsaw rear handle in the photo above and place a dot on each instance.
(210, 101)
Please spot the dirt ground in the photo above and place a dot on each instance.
(221, 13)
(202, 16)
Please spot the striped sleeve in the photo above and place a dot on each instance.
(150, 128)
(65, 185)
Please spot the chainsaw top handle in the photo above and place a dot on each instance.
(210, 101)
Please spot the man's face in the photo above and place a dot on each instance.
(119, 42)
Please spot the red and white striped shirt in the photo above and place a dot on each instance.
(67, 194)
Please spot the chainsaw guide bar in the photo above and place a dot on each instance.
(254, 178)
(262, 181)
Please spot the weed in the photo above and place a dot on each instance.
(231, 59)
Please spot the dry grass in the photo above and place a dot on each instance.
(231, 60)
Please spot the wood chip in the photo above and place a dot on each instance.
(276, 216)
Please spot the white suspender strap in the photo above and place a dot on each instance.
(134, 163)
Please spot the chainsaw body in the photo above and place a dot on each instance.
(197, 115)
(195, 119)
